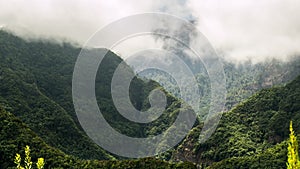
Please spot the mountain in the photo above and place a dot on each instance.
(242, 79)
(251, 135)
(15, 135)
(22, 92)
(36, 86)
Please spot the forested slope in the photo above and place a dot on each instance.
(36, 85)
(15, 135)
(251, 135)
(20, 93)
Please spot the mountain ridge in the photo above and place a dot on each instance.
(36, 86)
(251, 135)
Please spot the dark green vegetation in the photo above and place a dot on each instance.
(28, 71)
(14, 135)
(35, 85)
(251, 135)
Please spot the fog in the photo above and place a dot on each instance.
(239, 30)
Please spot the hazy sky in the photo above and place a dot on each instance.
(239, 29)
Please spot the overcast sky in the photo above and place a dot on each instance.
(240, 29)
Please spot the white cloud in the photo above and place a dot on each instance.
(76, 20)
(250, 29)
(240, 29)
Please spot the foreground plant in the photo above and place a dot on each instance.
(27, 161)
(293, 155)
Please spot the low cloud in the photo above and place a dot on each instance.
(240, 30)
(251, 29)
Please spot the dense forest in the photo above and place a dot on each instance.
(36, 86)
(36, 109)
(251, 135)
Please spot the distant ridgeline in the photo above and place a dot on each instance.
(242, 79)
(36, 88)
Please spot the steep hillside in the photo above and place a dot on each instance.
(251, 135)
(36, 85)
(245, 79)
(242, 79)
(15, 135)
(20, 93)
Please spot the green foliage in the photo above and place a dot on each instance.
(28, 163)
(14, 135)
(40, 163)
(251, 135)
(27, 71)
(242, 80)
(35, 86)
(18, 161)
(293, 151)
